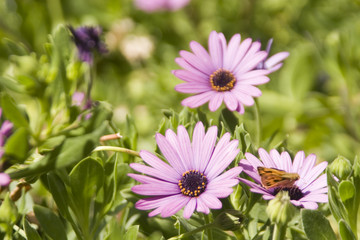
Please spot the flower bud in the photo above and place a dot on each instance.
(280, 210)
(341, 167)
(229, 220)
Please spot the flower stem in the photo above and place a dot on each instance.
(90, 78)
(279, 232)
(258, 123)
(184, 235)
(209, 230)
(116, 149)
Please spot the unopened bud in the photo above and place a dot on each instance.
(280, 210)
(341, 167)
(229, 220)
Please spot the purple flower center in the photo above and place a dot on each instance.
(222, 80)
(192, 183)
(294, 192)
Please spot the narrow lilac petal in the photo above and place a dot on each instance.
(296, 203)
(275, 59)
(240, 109)
(274, 154)
(198, 137)
(150, 203)
(143, 179)
(174, 206)
(315, 172)
(230, 101)
(323, 198)
(248, 89)
(158, 164)
(202, 54)
(250, 170)
(211, 201)
(275, 68)
(219, 191)
(220, 185)
(231, 51)
(189, 208)
(298, 161)
(254, 187)
(286, 161)
(6, 128)
(170, 153)
(256, 81)
(197, 100)
(268, 197)
(197, 62)
(152, 172)
(309, 162)
(243, 98)
(220, 161)
(318, 183)
(216, 101)
(251, 75)
(223, 141)
(251, 62)
(190, 68)
(254, 161)
(155, 212)
(215, 49)
(254, 48)
(266, 159)
(4, 179)
(172, 138)
(188, 76)
(185, 147)
(309, 205)
(207, 147)
(201, 206)
(234, 172)
(153, 189)
(242, 50)
(193, 88)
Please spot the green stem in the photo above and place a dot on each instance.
(209, 230)
(258, 123)
(279, 232)
(184, 235)
(116, 149)
(90, 79)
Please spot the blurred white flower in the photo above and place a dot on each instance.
(136, 48)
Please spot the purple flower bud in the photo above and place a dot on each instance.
(87, 40)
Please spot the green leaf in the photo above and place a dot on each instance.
(16, 146)
(50, 223)
(132, 233)
(59, 193)
(86, 178)
(345, 231)
(71, 151)
(15, 48)
(229, 119)
(346, 190)
(316, 226)
(336, 206)
(8, 211)
(12, 112)
(30, 232)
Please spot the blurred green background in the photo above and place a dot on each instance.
(313, 102)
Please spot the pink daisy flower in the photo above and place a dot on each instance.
(159, 5)
(306, 192)
(227, 73)
(193, 175)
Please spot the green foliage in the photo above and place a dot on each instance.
(316, 226)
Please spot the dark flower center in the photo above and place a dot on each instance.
(192, 183)
(294, 192)
(222, 80)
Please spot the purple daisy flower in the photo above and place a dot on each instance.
(159, 5)
(306, 192)
(5, 132)
(274, 62)
(226, 74)
(193, 175)
(87, 40)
